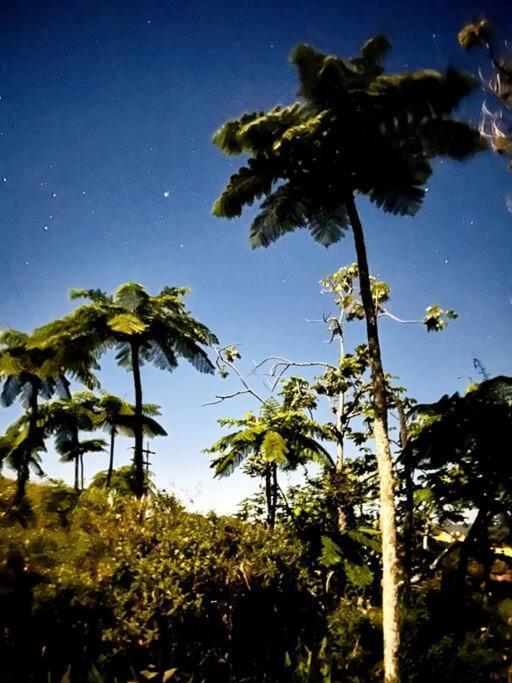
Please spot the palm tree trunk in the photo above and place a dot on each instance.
(21, 483)
(138, 456)
(111, 461)
(81, 458)
(77, 477)
(74, 434)
(23, 472)
(390, 616)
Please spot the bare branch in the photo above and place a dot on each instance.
(386, 313)
(222, 362)
(219, 398)
(281, 365)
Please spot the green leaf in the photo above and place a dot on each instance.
(126, 323)
(359, 575)
(274, 448)
(331, 552)
(366, 539)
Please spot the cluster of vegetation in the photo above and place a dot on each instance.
(119, 582)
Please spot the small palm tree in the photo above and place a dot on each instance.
(118, 416)
(72, 451)
(65, 418)
(20, 449)
(278, 437)
(38, 365)
(354, 131)
(27, 373)
(145, 329)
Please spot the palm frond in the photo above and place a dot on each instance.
(189, 350)
(10, 390)
(124, 356)
(454, 139)
(245, 186)
(130, 296)
(95, 295)
(227, 137)
(309, 63)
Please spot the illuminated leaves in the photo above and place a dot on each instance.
(128, 324)
(436, 318)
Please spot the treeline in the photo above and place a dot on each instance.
(140, 328)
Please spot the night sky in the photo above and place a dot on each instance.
(107, 174)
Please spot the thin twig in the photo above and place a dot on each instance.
(221, 362)
(282, 365)
(386, 313)
(220, 398)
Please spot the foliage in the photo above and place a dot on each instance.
(279, 434)
(207, 594)
(353, 129)
(495, 126)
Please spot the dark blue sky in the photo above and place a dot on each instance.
(106, 107)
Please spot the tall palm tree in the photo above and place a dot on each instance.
(277, 437)
(354, 131)
(146, 329)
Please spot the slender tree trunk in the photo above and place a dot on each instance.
(341, 512)
(274, 494)
(268, 495)
(408, 529)
(340, 408)
(138, 456)
(21, 483)
(390, 616)
(77, 476)
(111, 460)
(74, 434)
(23, 472)
(81, 458)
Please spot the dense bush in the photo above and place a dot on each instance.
(102, 587)
(126, 586)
